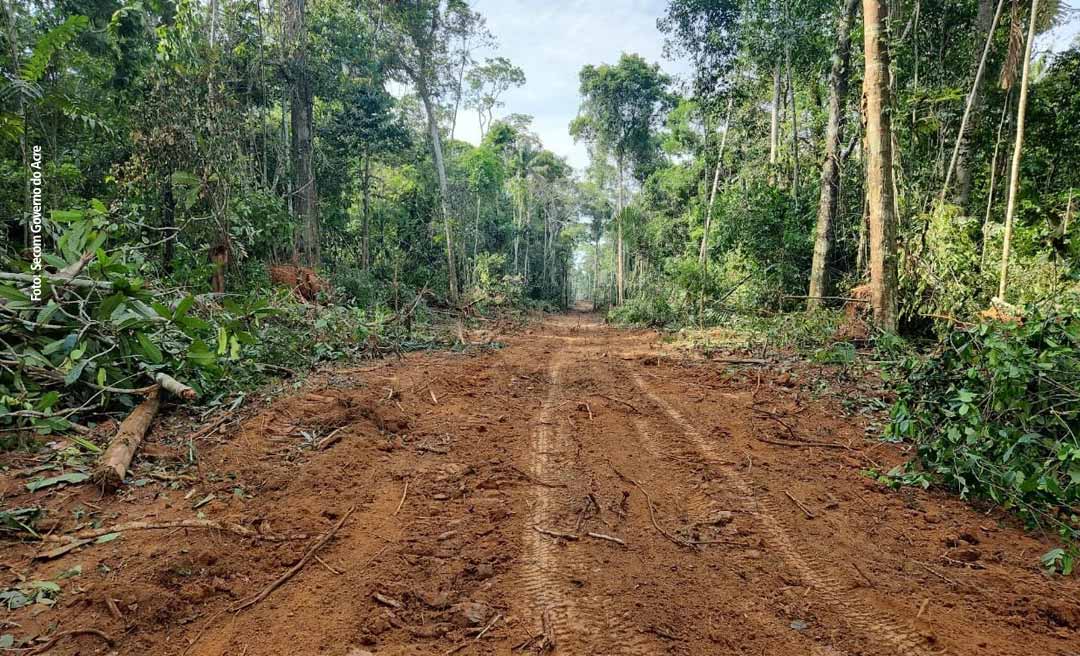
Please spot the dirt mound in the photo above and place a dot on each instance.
(304, 282)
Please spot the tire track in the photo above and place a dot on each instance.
(877, 626)
(701, 506)
(583, 623)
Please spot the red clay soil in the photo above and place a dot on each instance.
(634, 502)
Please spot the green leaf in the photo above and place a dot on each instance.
(13, 294)
(76, 371)
(200, 354)
(47, 401)
(149, 348)
(70, 478)
(183, 308)
(222, 340)
(49, 44)
(84, 443)
(108, 537)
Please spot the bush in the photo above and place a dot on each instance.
(995, 413)
(652, 311)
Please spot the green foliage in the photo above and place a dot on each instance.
(49, 44)
(995, 414)
(86, 346)
(650, 311)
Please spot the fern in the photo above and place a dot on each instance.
(49, 43)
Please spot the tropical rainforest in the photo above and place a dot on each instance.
(202, 196)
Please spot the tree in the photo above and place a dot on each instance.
(305, 199)
(417, 33)
(622, 105)
(487, 84)
(1018, 147)
(830, 168)
(879, 167)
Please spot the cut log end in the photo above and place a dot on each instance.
(114, 463)
(175, 387)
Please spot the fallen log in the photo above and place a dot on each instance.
(175, 387)
(114, 463)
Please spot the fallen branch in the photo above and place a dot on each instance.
(117, 458)
(402, 502)
(806, 511)
(555, 534)
(652, 512)
(175, 387)
(746, 361)
(298, 566)
(57, 279)
(609, 538)
(333, 438)
(805, 444)
(612, 398)
(45, 647)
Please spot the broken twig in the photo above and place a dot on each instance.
(298, 566)
(806, 511)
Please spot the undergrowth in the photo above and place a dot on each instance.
(994, 414)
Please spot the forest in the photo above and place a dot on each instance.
(211, 205)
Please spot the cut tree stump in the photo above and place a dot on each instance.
(114, 463)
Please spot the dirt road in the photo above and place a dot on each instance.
(576, 482)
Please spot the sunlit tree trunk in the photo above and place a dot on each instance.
(704, 250)
(830, 169)
(305, 200)
(444, 191)
(1018, 146)
(619, 280)
(596, 269)
(879, 174)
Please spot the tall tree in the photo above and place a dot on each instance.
(418, 33)
(487, 84)
(1018, 147)
(304, 197)
(879, 166)
(830, 168)
(621, 106)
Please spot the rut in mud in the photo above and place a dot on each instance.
(574, 481)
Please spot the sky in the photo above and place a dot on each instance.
(551, 40)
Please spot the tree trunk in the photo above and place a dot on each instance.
(114, 463)
(596, 270)
(879, 173)
(703, 252)
(985, 22)
(168, 222)
(305, 201)
(774, 125)
(444, 192)
(993, 182)
(366, 208)
(619, 281)
(830, 169)
(794, 132)
(1018, 146)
